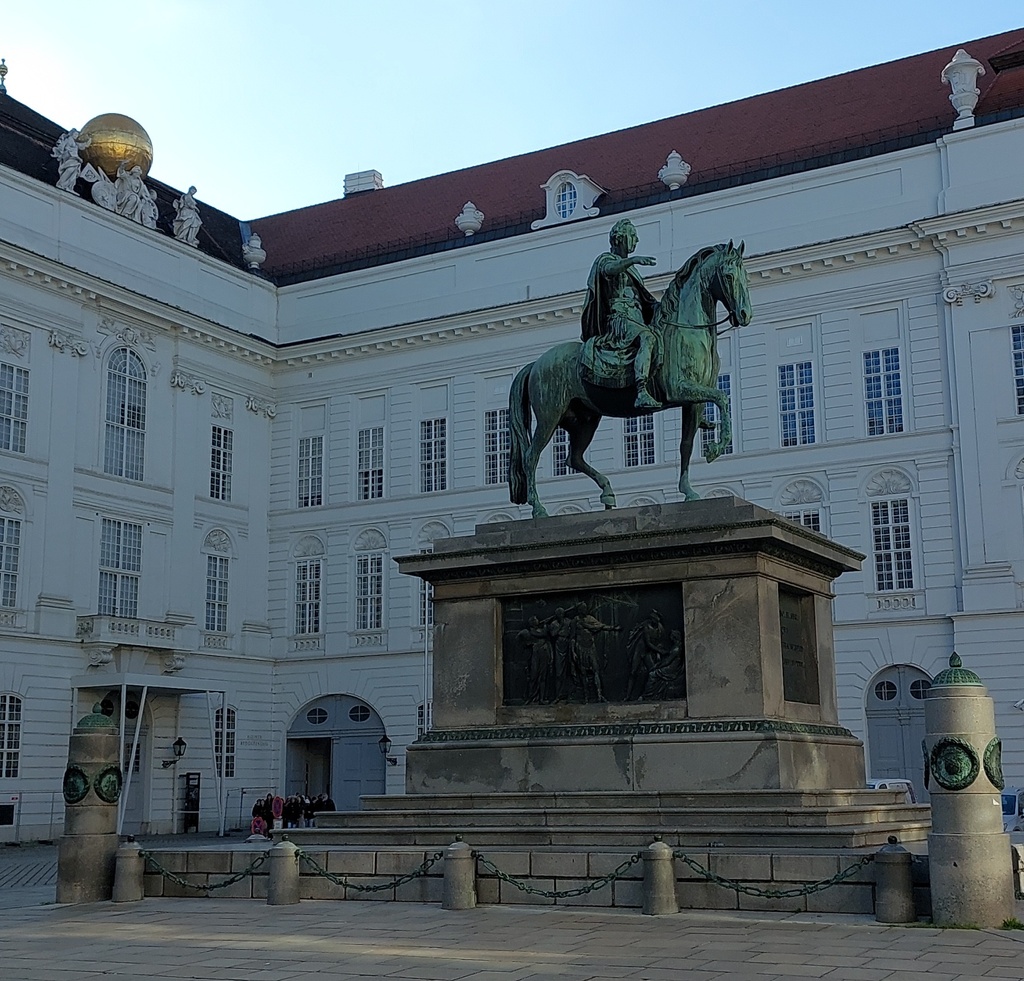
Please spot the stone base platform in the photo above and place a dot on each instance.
(761, 818)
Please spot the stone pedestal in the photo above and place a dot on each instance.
(92, 785)
(969, 856)
(665, 648)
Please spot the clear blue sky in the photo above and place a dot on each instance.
(265, 105)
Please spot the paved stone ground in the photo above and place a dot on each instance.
(238, 940)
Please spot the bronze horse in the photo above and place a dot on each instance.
(685, 320)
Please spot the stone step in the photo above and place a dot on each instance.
(871, 835)
(711, 818)
(585, 800)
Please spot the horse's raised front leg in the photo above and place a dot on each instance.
(718, 447)
(692, 415)
(581, 429)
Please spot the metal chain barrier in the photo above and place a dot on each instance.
(720, 880)
(250, 869)
(595, 884)
(422, 869)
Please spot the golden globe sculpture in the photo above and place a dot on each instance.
(115, 138)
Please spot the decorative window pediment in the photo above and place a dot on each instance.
(309, 546)
(801, 492)
(431, 531)
(887, 483)
(569, 197)
(217, 540)
(371, 540)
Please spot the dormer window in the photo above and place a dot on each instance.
(565, 199)
(570, 196)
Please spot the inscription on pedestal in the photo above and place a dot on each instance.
(599, 646)
(799, 653)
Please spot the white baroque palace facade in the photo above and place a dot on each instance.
(206, 468)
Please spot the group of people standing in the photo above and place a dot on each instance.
(294, 811)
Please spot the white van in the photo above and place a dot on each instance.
(1013, 809)
(895, 783)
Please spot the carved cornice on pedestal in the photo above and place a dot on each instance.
(980, 291)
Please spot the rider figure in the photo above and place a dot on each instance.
(620, 308)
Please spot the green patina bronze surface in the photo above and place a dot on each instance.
(993, 760)
(954, 763)
(956, 674)
(636, 355)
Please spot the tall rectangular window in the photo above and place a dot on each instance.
(120, 567)
(497, 446)
(369, 591)
(890, 528)
(1018, 366)
(13, 407)
(10, 735)
(883, 391)
(10, 557)
(225, 746)
(714, 416)
(221, 449)
(124, 443)
(796, 403)
(311, 471)
(426, 612)
(433, 455)
(370, 465)
(216, 593)
(638, 441)
(560, 453)
(307, 596)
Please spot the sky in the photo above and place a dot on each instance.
(265, 105)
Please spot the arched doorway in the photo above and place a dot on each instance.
(895, 716)
(333, 749)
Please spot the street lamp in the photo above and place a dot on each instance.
(384, 745)
(178, 746)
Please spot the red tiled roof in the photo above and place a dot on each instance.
(838, 113)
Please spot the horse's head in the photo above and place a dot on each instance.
(729, 284)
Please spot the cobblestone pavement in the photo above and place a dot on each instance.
(238, 940)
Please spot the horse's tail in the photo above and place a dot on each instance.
(519, 432)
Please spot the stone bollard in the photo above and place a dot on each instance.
(894, 884)
(128, 872)
(92, 786)
(459, 876)
(659, 880)
(283, 885)
(968, 853)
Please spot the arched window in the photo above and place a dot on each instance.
(228, 731)
(308, 574)
(217, 547)
(10, 735)
(370, 580)
(125, 435)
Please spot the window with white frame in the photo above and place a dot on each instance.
(423, 718)
(713, 415)
(565, 199)
(221, 450)
(560, 453)
(1018, 365)
(370, 464)
(13, 407)
(311, 471)
(370, 591)
(10, 559)
(216, 593)
(808, 517)
(638, 441)
(796, 403)
(883, 391)
(120, 568)
(891, 544)
(426, 611)
(497, 446)
(307, 596)
(433, 455)
(224, 741)
(10, 735)
(125, 433)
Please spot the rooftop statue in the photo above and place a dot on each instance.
(637, 355)
(69, 161)
(186, 218)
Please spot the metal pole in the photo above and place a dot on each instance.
(122, 803)
(223, 761)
